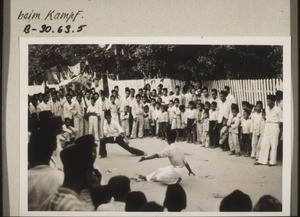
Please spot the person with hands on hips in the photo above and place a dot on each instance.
(170, 174)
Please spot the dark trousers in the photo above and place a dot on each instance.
(120, 141)
(219, 127)
(164, 129)
(246, 143)
(213, 134)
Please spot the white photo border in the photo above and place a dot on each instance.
(24, 42)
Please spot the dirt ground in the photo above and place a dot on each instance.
(217, 174)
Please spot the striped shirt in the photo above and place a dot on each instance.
(65, 199)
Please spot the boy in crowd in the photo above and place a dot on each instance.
(176, 124)
(163, 121)
(68, 108)
(260, 130)
(125, 120)
(114, 108)
(256, 118)
(205, 129)
(138, 119)
(69, 130)
(146, 115)
(155, 117)
(245, 135)
(191, 122)
(233, 124)
(78, 115)
(183, 116)
(93, 116)
(213, 125)
(199, 126)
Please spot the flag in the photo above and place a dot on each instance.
(75, 69)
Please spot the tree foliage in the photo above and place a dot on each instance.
(184, 62)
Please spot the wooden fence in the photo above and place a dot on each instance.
(247, 90)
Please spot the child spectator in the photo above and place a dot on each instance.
(146, 116)
(155, 116)
(165, 98)
(152, 121)
(191, 122)
(199, 127)
(71, 131)
(256, 118)
(213, 125)
(261, 129)
(134, 201)
(163, 122)
(171, 113)
(205, 127)
(224, 136)
(94, 116)
(176, 124)
(114, 108)
(125, 120)
(183, 116)
(233, 124)
(246, 136)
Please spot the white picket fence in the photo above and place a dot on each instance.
(248, 90)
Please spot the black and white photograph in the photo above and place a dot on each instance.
(114, 126)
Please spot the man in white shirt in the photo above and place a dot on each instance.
(44, 105)
(55, 105)
(205, 95)
(119, 187)
(230, 98)
(43, 180)
(223, 111)
(273, 128)
(102, 104)
(114, 133)
(78, 116)
(138, 119)
(69, 109)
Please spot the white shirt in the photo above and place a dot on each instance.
(44, 106)
(112, 129)
(137, 109)
(165, 99)
(78, 109)
(230, 98)
(246, 126)
(43, 181)
(255, 122)
(123, 102)
(55, 108)
(175, 156)
(234, 125)
(113, 205)
(68, 110)
(192, 114)
(156, 114)
(224, 110)
(273, 115)
(93, 109)
(213, 115)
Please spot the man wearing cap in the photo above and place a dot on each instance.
(270, 138)
(114, 133)
(78, 160)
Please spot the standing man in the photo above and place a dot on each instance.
(273, 129)
(68, 109)
(55, 105)
(224, 110)
(113, 133)
(138, 119)
(78, 116)
(102, 105)
(230, 98)
(205, 95)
